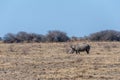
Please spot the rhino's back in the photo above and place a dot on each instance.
(83, 46)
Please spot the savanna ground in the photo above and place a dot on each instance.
(49, 61)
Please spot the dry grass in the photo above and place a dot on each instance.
(49, 61)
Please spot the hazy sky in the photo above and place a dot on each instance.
(75, 17)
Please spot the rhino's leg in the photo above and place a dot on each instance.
(73, 51)
(87, 51)
(76, 51)
(79, 51)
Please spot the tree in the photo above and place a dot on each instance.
(106, 35)
(0, 38)
(9, 38)
(37, 37)
(57, 36)
(22, 36)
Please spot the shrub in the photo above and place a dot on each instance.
(22, 36)
(57, 36)
(37, 37)
(0, 38)
(9, 38)
(106, 35)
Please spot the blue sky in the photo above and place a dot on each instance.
(75, 17)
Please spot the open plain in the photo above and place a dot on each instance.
(50, 61)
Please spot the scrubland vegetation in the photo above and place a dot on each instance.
(49, 61)
(31, 56)
(59, 36)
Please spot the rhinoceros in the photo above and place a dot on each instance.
(79, 48)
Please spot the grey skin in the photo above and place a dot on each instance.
(79, 48)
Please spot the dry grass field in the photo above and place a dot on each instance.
(49, 61)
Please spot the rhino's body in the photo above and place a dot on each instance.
(80, 47)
